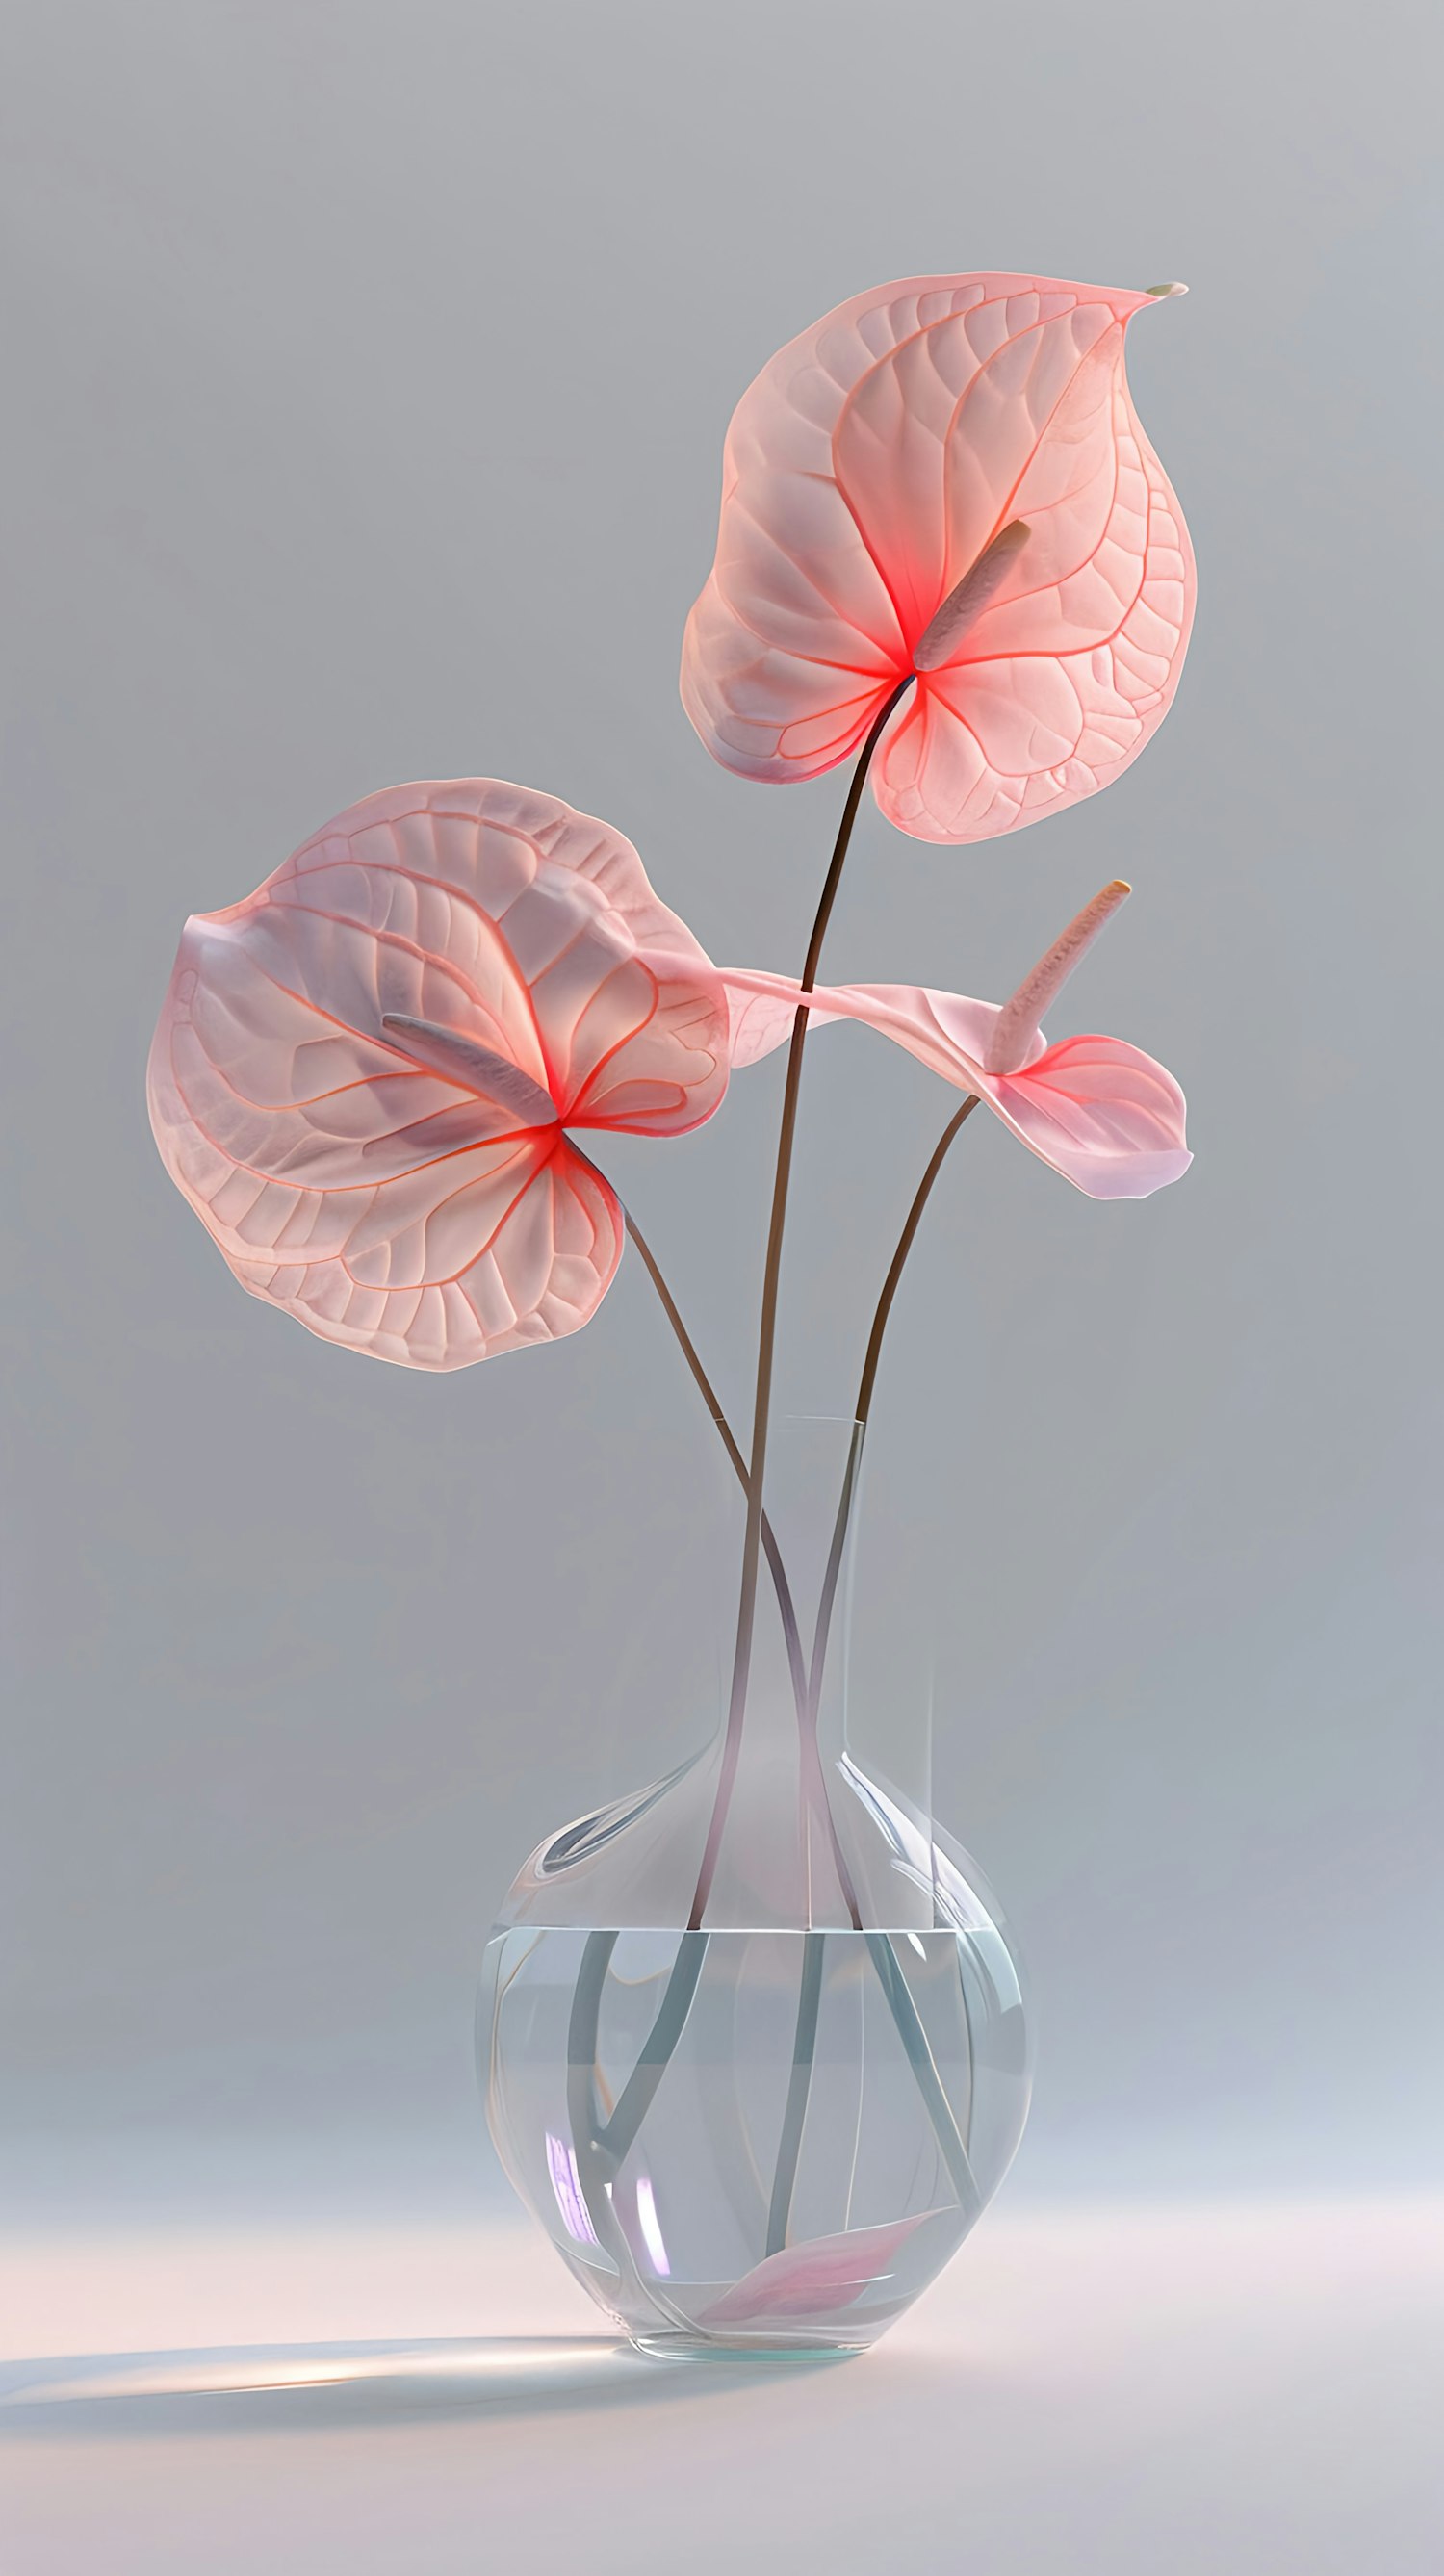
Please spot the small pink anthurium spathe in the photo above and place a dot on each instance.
(1101, 1112)
(821, 2276)
(945, 481)
(367, 1077)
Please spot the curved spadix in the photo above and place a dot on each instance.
(968, 598)
(458, 1058)
(1016, 1026)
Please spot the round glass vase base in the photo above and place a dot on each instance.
(753, 2147)
(752, 2040)
(713, 2351)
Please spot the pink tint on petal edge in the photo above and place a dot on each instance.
(1101, 1112)
(867, 469)
(410, 1191)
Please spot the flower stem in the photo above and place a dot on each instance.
(894, 1986)
(600, 2149)
(866, 1384)
(904, 1246)
(786, 1606)
(814, 1784)
(804, 2049)
(767, 1330)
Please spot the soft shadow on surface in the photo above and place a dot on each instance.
(300, 2388)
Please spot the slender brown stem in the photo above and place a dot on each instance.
(905, 1240)
(828, 896)
(814, 1784)
(767, 1330)
(689, 1349)
(864, 1402)
(894, 1985)
(785, 1604)
(610, 2144)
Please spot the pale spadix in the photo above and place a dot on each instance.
(460, 1059)
(968, 598)
(1017, 1023)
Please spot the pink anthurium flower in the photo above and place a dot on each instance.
(1103, 1113)
(366, 1077)
(945, 478)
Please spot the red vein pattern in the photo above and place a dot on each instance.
(866, 469)
(390, 1200)
(1101, 1112)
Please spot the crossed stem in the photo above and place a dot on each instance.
(807, 1676)
(866, 1384)
(814, 1782)
(614, 2140)
(767, 1329)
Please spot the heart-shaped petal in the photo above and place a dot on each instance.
(526, 926)
(517, 1253)
(965, 439)
(386, 1214)
(358, 1073)
(1101, 1112)
(1104, 1114)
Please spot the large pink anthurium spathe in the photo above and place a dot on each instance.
(945, 479)
(1101, 1112)
(367, 1076)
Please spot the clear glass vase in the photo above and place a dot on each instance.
(752, 2042)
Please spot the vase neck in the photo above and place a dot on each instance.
(779, 1861)
(814, 1814)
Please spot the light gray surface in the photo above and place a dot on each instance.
(369, 368)
(1084, 2393)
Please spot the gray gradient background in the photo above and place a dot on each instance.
(369, 367)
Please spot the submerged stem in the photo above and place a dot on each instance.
(804, 2049)
(767, 1330)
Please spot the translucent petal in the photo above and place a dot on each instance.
(344, 1071)
(1101, 1112)
(544, 921)
(947, 1031)
(1104, 1114)
(762, 1013)
(866, 470)
(463, 1262)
